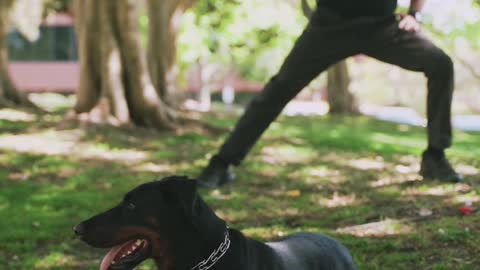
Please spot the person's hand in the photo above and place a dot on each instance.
(408, 23)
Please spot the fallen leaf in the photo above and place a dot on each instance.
(293, 193)
(17, 176)
(424, 212)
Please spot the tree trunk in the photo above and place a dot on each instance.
(164, 19)
(9, 95)
(340, 99)
(115, 85)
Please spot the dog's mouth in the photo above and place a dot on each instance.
(126, 256)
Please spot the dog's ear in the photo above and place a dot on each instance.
(196, 210)
(180, 190)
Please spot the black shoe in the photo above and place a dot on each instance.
(437, 167)
(215, 175)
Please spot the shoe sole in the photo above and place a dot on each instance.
(433, 177)
(207, 185)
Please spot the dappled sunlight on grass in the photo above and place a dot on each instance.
(318, 175)
(119, 155)
(265, 233)
(367, 164)
(55, 259)
(48, 142)
(233, 215)
(222, 196)
(403, 169)
(236, 202)
(390, 180)
(418, 143)
(337, 200)
(67, 143)
(286, 212)
(468, 198)
(284, 154)
(467, 169)
(437, 190)
(16, 115)
(398, 174)
(343, 158)
(52, 101)
(152, 167)
(291, 131)
(382, 228)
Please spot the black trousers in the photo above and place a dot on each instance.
(329, 38)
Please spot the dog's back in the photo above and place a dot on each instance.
(312, 251)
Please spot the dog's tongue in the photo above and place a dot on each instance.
(107, 260)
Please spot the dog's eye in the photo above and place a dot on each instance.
(130, 206)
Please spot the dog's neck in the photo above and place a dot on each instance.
(196, 252)
(203, 246)
(215, 255)
(206, 245)
(212, 236)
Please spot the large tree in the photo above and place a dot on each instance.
(117, 83)
(9, 95)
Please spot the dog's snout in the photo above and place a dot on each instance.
(79, 229)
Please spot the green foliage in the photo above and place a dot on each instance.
(53, 6)
(254, 36)
(454, 19)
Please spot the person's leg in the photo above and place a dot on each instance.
(414, 52)
(320, 45)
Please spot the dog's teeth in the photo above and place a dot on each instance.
(138, 242)
(128, 253)
(113, 262)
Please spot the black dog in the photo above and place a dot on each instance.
(168, 221)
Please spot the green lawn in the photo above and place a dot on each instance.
(352, 178)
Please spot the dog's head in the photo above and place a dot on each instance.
(155, 220)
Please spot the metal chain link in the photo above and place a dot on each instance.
(215, 256)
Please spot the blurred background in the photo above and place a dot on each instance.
(226, 50)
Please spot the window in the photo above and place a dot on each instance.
(56, 43)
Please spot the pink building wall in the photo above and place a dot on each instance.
(45, 76)
(35, 76)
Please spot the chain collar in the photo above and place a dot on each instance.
(215, 255)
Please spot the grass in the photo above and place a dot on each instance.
(352, 178)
